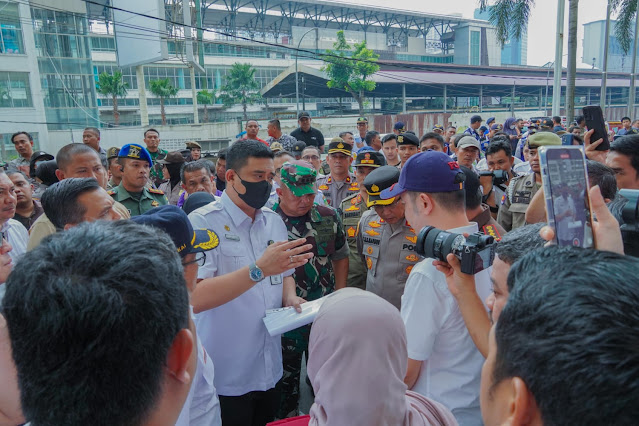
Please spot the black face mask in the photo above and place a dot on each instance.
(257, 193)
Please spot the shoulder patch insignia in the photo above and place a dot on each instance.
(323, 187)
(353, 188)
(492, 231)
(329, 180)
(351, 232)
(412, 239)
(412, 258)
(374, 224)
(154, 203)
(213, 241)
(408, 269)
(369, 263)
(352, 208)
(156, 191)
(357, 199)
(411, 230)
(348, 179)
(372, 233)
(369, 250)
(503, 199)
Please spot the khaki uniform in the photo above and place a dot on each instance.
(352, 209)
(43, 227)
(487, 225)
(387, 271)
(149, 199)
(514, 203)
(335, 191)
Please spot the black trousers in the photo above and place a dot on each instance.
(255, 408)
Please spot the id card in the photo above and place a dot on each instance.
(276, 279)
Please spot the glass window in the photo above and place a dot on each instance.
(15, 91)
(10, 29)
(474, 47)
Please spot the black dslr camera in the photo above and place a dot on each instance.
(630, 219)
(499, 176)
(475, 253)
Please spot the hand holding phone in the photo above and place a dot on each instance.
(595, 121)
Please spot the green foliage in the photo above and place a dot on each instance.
(240, 87)
(205, 97)
(112, 85)
(162, 88)
(624, 31)
(351, 71)
(509, 17)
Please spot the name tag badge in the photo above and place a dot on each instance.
(232, 237)
(276, 279)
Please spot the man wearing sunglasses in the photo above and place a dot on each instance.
(385, 226)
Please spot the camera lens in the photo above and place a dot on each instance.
(437, 244)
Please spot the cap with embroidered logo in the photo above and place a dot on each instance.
(369, 158)
(438, 127)
(174, 157)
(407, 138)
(135, 152)
(338, 145)
(430, 171)
(362, 120)
(113, 152)
(399, 126)
(298, 147)
(379, 180)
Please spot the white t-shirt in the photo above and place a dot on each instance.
(17, 235)
(437, 335)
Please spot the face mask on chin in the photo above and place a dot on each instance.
(257, 193)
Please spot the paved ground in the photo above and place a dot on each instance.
(306, 396)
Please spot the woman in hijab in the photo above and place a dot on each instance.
(357, 362)
(510, 128)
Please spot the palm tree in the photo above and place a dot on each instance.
(205, 98)
(510, 16)
(163, 89)
(112, 85)
(241, 87)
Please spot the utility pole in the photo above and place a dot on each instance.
(559, 54)
(604, 72)
(633, 70)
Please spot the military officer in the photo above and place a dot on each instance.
(113, 167)
(325, 272)
(514, 203)
(407, 146)
(135, 162)
(385, 226)
(351, 211)
(196, 151)
(339, 183)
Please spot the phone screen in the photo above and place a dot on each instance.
(566, 190)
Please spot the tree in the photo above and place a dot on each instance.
(240, 87)
(351, 71)
(510, 16)
(163, 89)
(112, 85)
(204, 97)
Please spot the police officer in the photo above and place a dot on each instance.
(195, 151)
(298, 148)
(352, 209)
(113, 167)
(132, 192)
(339, 183)
(514, 203)
(325, 272)
(385, 227)
(407, 146)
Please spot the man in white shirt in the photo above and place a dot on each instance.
(443, 362)
(249, 274)
(14, 232)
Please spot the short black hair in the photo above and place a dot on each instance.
(275, 122)
(341, 134)
(370, 135)
(194, 166)
(433, 135)
(21, 133)
(389, 137)
(221, 154)
(64, 157)
(18, 172)
(580, 119)
(629, 146)
(286, 153)
(151, 130)
(472, 188)
(571, 324)
(518, 242)
(46, 172)
(499, 145)
(604, 176)
(625, 118)
(60, 200)
(556, 119)
(238, 154)
(313, 147)
(500, 134)
(93, 129)
(451, 201)
(91, 319)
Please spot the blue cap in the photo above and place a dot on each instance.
(490, 120)
(483, 128)
(197, 200)
(430, 171)
(172, 220)
(135, 152)
(399, 126)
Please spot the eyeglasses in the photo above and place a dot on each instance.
(310, 157)
(200, 259)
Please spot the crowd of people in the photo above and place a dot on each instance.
(134, 281)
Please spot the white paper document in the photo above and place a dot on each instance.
(279, 321)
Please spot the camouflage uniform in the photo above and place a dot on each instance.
(351, 211)
(155, 174)
(322, 228)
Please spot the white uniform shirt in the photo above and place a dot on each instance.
(17, 235)
(202, 406)
(245, 356)
(437, 335)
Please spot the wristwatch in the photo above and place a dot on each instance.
(255, 273)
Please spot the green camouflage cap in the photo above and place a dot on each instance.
(299, 177)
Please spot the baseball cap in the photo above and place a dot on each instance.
(303, 114)
(497, 127)
(276, 146)
(483, 128)
(362, 120)
(468, 141)
(399, 126)
(113, 152)
(298, 147)
(379, 180)
(475, 119)
(369, 158)
(299, 176)
(430, 171)
(172, 220)
(174, 157)
(41, 155)
(197, 200)
(490, 120)
(338, 145)
(438, 127)
(547, 123)
(136, 152)
(193, 144)
(407, 138)
(543, 139)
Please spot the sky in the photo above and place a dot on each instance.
(541, 28)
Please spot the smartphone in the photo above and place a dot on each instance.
(565, 182)
(595, 120)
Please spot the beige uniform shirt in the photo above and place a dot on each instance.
(514, 203)
(335, 191)
(351, 210)
(388, 251)
(43, 227)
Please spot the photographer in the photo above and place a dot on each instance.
(443, 363)
(498, 159)
(476, 211)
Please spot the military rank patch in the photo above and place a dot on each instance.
(227, 228)
(351, 232)
(352, 208)
(324, 187)
(503, 199)
(412, 258)
(408, 269)
(372, 233)
(369, 250)
(374, 224)
(369, 263)
(154, 203)
(412, 239)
